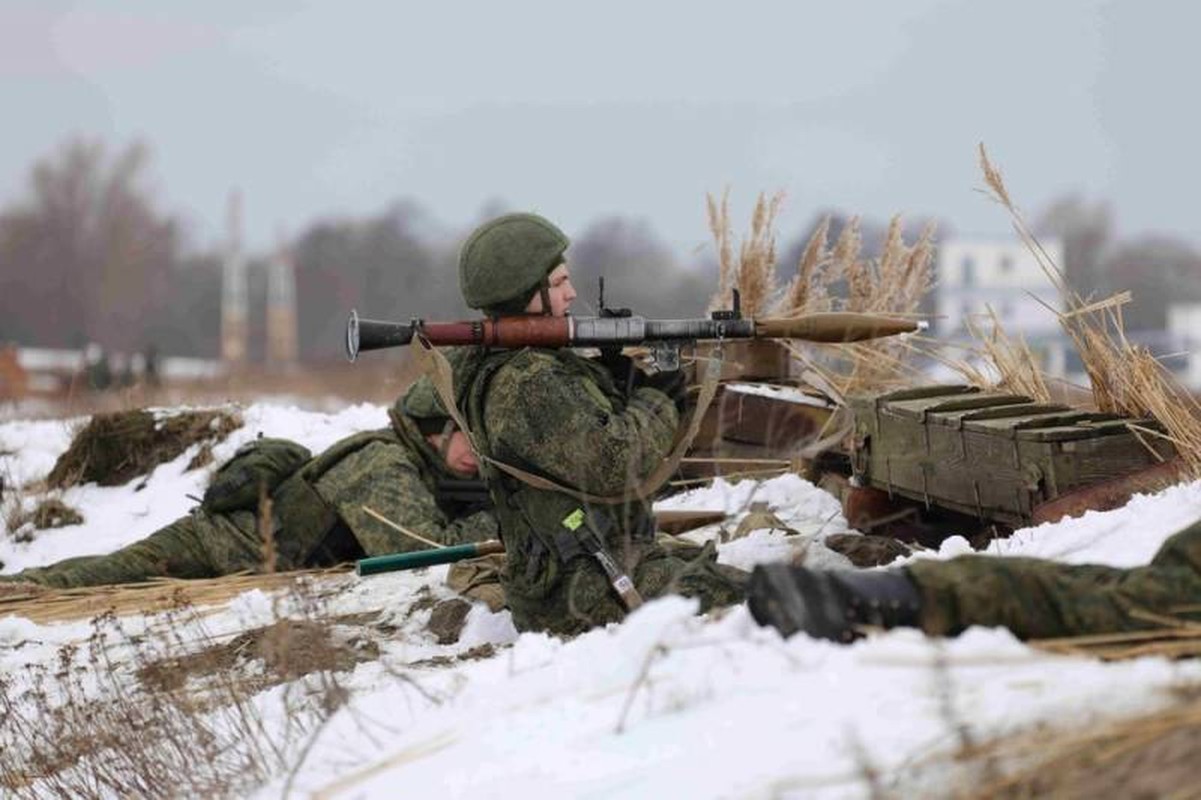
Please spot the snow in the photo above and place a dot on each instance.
(665, 704)
(791, 394)
(115, 516)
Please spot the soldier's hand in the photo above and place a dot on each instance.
(622, 368)
(671, 384)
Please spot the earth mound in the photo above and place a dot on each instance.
(115, 447)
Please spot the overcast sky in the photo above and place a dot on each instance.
(628, 107)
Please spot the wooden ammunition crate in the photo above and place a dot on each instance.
(994, 456)
(743, 430)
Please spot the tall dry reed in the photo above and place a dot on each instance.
(1125, 379)
(753, 273)
(997, 361)
(838, 277)
(842, 278)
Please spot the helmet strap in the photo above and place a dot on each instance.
(541, 289)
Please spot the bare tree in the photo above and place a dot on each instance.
(639, 270)
(382, 266)
(1085, 231)
(1159, 270)
(86, 255)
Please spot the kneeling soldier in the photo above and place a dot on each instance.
(571, 562)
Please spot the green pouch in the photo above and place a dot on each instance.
(300, 518)
(529, 521)
(258, 466)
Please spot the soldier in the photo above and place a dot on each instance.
(571, 551)
(318, 505)
(1034, 598)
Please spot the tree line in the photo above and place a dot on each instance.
(88, 254)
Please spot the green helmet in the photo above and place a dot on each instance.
(421, 402)
(504, 261)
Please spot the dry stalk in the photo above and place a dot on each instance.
(1017, 368)
(828, 278)
(918, 278)
(1125, 379)
(851, 268)
(806, 292)
(267, 531)
(754, 272)
(720, 227)
(56, 605)
(1115, 758)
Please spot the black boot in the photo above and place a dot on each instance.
(831, 604)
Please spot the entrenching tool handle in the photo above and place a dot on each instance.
(835, 326)
(394, 562)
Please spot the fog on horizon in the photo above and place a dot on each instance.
(633, 109)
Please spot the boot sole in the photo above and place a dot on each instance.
(774, 598)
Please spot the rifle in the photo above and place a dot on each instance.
(616, 328)
(469, 492)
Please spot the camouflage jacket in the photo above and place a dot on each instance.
(560, 416)
(397, 475)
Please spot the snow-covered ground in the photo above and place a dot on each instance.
(667, 704)
(117, 516)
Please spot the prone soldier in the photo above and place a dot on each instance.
(1032, 597)
(318, 516)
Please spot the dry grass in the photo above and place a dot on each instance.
(25, 510)
(1012, 366)
(1153, 755)
(1125, 379)
(1149, 755)
(113, 448)
(838, 277)
(52, 512)
(173, 711)
(1179, 639)
(754, 271)
(894, 283)
(42, 605)
(807, 291)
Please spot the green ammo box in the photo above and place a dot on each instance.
(993, 456)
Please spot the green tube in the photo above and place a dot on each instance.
(424, 558)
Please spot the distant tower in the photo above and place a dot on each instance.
(281, 307)
(234, 289)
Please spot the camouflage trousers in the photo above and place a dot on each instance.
(200, 545)
(582, 597)
(1042, 599)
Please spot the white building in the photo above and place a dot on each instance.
(975, 274)
(1184, 327)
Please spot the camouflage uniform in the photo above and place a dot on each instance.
(1043, 599)
(318, 518)
(560, 416)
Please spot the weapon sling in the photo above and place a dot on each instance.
(441, 375)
